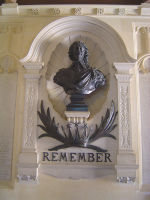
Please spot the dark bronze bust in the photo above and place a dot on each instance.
(79, 78)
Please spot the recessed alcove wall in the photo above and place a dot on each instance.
(97, 59)
(100, 57)
(103, 51)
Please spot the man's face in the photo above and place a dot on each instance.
(78, 52)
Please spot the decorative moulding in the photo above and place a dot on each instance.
(137, 26)
(124, 68)
(143, 64)
(145, 9)
(100, 11)
(9, 9)
(75, 23)
(77, 116)
(77, 11)
(32, 66)
(55, 10)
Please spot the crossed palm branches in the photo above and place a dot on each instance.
(76, 138)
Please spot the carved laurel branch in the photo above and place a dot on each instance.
(76, 138)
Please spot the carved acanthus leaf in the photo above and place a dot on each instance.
(125, 142)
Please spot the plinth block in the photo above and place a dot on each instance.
(126, 167)
(77, 116)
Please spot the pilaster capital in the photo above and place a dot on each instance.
(32, 70)
(124, 68)
(33, 66)
(125, 78)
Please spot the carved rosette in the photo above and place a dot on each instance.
(100, 11)
(35, 11)
(77, 11)
(54, 11)
(121, 11)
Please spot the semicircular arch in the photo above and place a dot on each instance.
(61, 27)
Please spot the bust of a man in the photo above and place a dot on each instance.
(79, 78)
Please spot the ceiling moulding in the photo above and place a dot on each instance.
(10, 9)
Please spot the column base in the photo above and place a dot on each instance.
(126, 167)
(28, 167)
(144, 187)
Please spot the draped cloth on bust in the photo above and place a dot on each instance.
(79, 79)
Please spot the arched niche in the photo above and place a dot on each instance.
(50, 50)
(55, 31)
(56, 37)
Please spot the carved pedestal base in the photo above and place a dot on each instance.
(77, 116)
(126, 167)
(28, 167)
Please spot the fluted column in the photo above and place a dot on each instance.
(28, 161)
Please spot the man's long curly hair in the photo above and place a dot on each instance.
(71, 54)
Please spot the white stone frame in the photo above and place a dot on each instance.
(28, 159)
(33, 62)
(126, 159)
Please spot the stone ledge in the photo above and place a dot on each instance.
(77, 9)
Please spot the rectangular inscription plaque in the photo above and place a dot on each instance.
(76, 157)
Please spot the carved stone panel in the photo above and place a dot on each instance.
(8, 83)
(30, 112)
(124, 118)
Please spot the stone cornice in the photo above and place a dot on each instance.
(13, 9)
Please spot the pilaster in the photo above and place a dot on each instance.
(28, 159)
(126, 159)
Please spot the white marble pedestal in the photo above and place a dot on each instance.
(77, 116)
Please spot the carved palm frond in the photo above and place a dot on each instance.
(77, 138)
(106, 126)
(49, 126)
